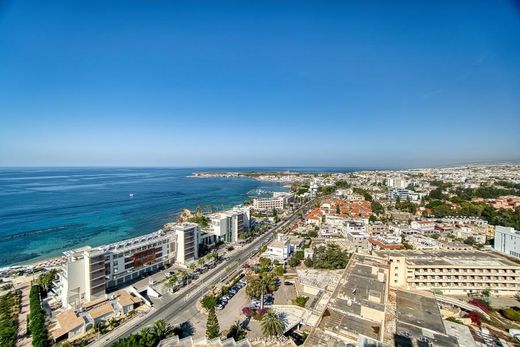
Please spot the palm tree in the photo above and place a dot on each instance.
(192, 266)
(236, 331)
(201, 261)
(148, 337)
(272, 324)
(161, 329)
(172, 281)
(265, 283)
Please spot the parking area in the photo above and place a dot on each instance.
(285, 293)
(233, 309)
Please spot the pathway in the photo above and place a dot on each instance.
(23, 340)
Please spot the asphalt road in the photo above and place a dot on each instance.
(181, 302)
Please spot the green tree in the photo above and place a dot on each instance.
(272, 324)
(330, 257)
(237, 332)
(209, 302)
(258, 287)
(46, 279)
(470, 241)
(212, 326)
(172, 281)
(377, 208)
(308, 262)
(293, 262)
(278, 270)
(161, 329)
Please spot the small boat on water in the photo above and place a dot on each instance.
(131, 195)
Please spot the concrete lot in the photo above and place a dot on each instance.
(285, 294)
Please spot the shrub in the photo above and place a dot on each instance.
(259, 314)
(9, 307)
(293, 262)
(476, 318)
(209, 302)
(278, 270)
(248, 312)
(511, 313)
(301, 300)
(483, 305)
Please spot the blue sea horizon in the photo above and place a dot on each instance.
(47, 210)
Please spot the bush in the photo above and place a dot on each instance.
(511, 313)
(312, 233)
(308, 262)
(248, 312)
(9, 308)
(260, 313)
(278, 270)
(483, 305)
(476, 318)
(301, 300)
(209, 302)
(454, 320)
(293, 262)
(40, 335)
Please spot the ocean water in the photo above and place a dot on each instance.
(44, 211)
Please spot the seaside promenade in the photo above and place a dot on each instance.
(23, 339)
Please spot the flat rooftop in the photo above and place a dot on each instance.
(358, 304)
(450, 258)
(419, 318)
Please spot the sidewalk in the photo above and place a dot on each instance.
(23, 340)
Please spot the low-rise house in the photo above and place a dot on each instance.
(68, 324)
(126, 302)
(279, 249)
(102, 313)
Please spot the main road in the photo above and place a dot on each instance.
(196, 290)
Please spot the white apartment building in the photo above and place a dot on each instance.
(89, 271)
(453, 272)
(279, 201)
(507, 241)
(358, 239)
(405, 194)
(226, 226)
(396, 182)
(83, 276)
(279, 249)
(186, 247)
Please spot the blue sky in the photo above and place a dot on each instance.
(263, 83)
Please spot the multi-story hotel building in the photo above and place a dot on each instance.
(507, 241)
(89, 272)
(279, 201)
(453, 272)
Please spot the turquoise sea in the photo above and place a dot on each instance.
(44, 211)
